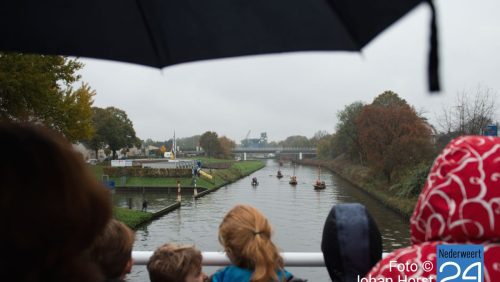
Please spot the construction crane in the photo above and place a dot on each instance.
(245, 141)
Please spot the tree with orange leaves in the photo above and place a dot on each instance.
(392, 135)
(226, 147)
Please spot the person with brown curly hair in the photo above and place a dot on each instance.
(112, 251)
(176, 263)
(52, 207)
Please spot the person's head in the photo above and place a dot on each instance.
(112, 250)
(175, 263)
(55, 207)
(351, 242)
(460, 202)
(245, 234)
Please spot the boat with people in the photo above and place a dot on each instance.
(319, 185)
(279, 174)
(293, 178)
(254, 181)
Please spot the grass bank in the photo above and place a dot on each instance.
(362, 178)
(220, 178)
(132, 218)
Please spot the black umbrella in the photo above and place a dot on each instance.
(161, 33)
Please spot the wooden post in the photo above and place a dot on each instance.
(178, 191)
(195, 190)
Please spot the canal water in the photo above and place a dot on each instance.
(297, 215)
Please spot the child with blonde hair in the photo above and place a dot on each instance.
(245, 234)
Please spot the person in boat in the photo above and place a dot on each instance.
(320, 184)
(254, 181)
(351, 242)
(245, 234)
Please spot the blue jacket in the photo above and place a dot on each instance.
(234, 273)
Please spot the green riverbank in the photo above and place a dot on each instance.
(132, 218)
(362, 178)
(220, 178)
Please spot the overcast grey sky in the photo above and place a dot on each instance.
(300, 93)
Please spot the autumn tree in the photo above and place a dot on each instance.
(226, 147)
(392, 135)
(209, 141)
(38, 88)
(389, 99)
(346, 136)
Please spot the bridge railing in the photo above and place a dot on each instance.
(276, 148)
(304, 259)
(220, 258)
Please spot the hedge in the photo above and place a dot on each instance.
(217, 165)
(146, 172)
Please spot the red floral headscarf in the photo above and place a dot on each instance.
(460, 203)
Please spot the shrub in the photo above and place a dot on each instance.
(146, 172)
(413, 181)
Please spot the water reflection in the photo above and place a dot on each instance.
(297, 214)
(156, 200)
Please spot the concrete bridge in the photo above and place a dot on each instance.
(277, 151)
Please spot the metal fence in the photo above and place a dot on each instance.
(220, 258)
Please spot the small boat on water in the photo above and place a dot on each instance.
(319, 185)
(293, 178)
(279, 174)
(254, 181)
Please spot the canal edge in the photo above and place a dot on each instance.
(404, 213)
(178, 205)
(208, 191)
(160, 213)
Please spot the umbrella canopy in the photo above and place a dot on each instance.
(161, 33)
